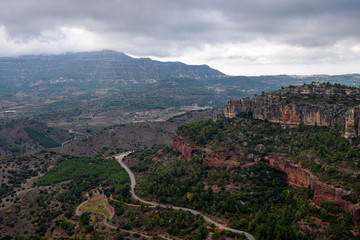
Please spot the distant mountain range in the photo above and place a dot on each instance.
(111, 69)
(108, 87)
(94, 68)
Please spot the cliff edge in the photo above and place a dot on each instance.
(295, 175)
(314, 104)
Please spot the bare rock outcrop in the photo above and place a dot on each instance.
(313, 104)
(352, 122)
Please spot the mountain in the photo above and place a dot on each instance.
(93, 69)
(82, 90)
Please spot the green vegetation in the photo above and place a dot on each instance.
(321, 149)
(13, 149)
(41, 138)
(258, 201)
(17, 178)
(66, 225)
(178, 223)
(95, 206)
(83, 167)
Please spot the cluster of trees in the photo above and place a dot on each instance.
(263, 203)
(323, 143)
(202, 132)
(69, 199)
(66, 225)
(14, 149)
(16, 178)
(178, 223)
(40, 212)
(5, 190)
(330, 145)
(61, 200)
(42, 139)
(84, 167)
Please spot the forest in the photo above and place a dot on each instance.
(255, 199)
(322, 150)
(83, 167)
(45, 141)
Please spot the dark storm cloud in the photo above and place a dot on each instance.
(306, 22)
(164, 28)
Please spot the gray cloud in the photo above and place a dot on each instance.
(166, 28)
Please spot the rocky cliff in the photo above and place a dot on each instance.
(213, 159)
(295, 174)
(314, 104)
(352, 122)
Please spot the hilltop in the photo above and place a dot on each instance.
(314, 104)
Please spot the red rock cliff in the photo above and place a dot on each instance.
(295, 175)
(300, 177)
(213, 159)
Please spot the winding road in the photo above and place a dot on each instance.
(120, 157)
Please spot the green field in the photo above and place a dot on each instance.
(84, 167)
(95, 206)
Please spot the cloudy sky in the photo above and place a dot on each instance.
(237, 37)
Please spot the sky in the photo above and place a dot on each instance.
(237, 37)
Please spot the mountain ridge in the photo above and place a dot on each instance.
(106, 65)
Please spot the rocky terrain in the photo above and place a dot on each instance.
(234, 168)
(132, 136)
(314, 104)
(295, 175)
(105, 88)
(298, 155)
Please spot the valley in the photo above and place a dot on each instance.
(93, 90)
(278, 161)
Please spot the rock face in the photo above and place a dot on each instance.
(295, 174)
(300, 177)
(313, 104)
(352, 122)
(213, 159)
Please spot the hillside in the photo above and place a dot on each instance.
(312, 156)
(91, 89)
(24, 136)
(92, 69)
(132, 136)
(298, 182)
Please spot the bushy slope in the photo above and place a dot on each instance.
(24, 136)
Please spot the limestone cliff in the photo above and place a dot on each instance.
(295, 174)
(352, 122)
(321, 104)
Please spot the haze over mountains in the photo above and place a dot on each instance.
(111, 68)
(94, 68)
(108, 87)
